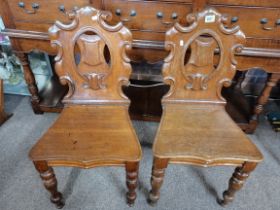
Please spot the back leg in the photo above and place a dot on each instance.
(158, 170)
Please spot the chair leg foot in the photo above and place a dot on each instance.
(159, 166)
(152, 201)
(131, 181)
(49, 180)
(236, 182)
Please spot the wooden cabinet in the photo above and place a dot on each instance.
(40, 11)
(255, 22)
(27, 23)
(148, 20)
(156, 16)
(252, 3)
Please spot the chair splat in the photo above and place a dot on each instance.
(211, 65)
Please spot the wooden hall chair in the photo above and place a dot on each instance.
(195, 128)
(94, 128)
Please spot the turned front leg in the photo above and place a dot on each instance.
(48, 177)
(158, 170)
(30, 81)
(237, 181)
(131, 181)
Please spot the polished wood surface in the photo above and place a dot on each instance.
(195, 128)
(202, 135)
(27, 24)
(94, 128)
(149, 20)
(89, 136)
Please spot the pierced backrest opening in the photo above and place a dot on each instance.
(201, 59)
(91, 57)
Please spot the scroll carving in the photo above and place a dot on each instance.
(107, 16)
(192, 20)
(126, 46)
(169, 46)
(228, 31)
(71, 26)
(205, 73)
(124, 80)
(91, 57)
(171, 82)
(235, 49)
(225, 82)
(57, 45)
(67, 80)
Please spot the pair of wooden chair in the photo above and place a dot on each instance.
(94, 128)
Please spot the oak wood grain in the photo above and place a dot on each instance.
(94, 128)
(88, 136)
(262, 46)
(195, 128)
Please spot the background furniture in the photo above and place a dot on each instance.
(94, 128)
(3, 115)
(27, 22)
(195, 128)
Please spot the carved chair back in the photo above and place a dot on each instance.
(198, 78)
(91, 57)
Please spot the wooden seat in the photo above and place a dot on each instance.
(87, 136)
(94, 128)
(195, 128)
(201, 136)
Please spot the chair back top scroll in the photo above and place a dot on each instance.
(198, 78)
(92, 57)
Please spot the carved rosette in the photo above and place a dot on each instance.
(92, 70)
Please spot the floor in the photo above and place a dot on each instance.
(185, 187)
